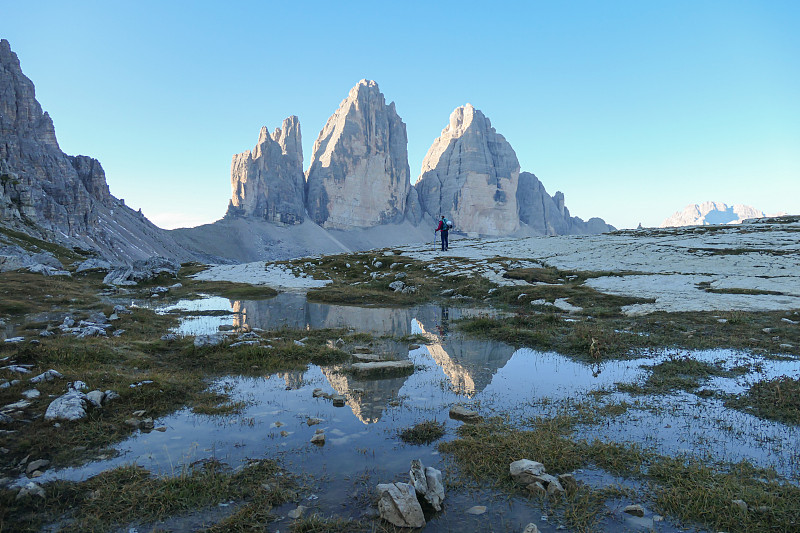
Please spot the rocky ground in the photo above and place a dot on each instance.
(88, 364)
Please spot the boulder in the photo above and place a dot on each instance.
(94, 264)
(202, 341)
(69, 406)
(634, 510)
(30, 489)
(428, 484)
(96, 398)
(526, 471)
(459, 412)
(378, 368)
(531, 528)
(142, 270)
(398, 505)
(50, 375)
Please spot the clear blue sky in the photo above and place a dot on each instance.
(632, 109)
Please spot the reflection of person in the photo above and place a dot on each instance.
(443, 227)
(444, 324)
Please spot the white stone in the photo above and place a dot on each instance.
(398, 505)
(526, 471)
(70, 406)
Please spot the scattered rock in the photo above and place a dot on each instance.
(208, 340)
(46, 333)
(318, 439)
(318, 393)
(413, 346)
(294, 514)
(526, 471)
(314, 421)
(428, 484)
(142, 270)
(398, 505)
(14, 340)
(477, 510)
(110, 395)
(39, 464)
(789, 321)
(121, 310)
(31, 394)
(531, 528)
(170, 337)
(381, 367)
(50, 375)
(569, 482)
(96, 398)
(31, 489)
(634, 510)
(93, 264)
(537, 488)
(459, 412)
(70, 406)
(397, 286)
(5, 419)
(741, 504)
(244, 343)
(338, 400)
(362, 349)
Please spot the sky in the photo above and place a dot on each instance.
(632, 109)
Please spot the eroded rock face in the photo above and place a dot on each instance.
(52, 196)
(267, 182)
(470, 175)
(359, 175)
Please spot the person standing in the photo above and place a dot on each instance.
(445, 229)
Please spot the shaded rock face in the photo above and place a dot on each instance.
(470, 175)
(359, 174)
(268, 181)
(60, 198)
(548, 215)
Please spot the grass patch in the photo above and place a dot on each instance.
(366, 280)
(706, 286)
(773, 399)
(126, 495)
(684, 488)
(628, 336)
(423, 433)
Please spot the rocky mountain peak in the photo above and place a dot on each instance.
(710, 213)
(470, 174)
(267, 182)
(359, 175)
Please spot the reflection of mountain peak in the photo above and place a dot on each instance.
(469, 364)
(368, 406)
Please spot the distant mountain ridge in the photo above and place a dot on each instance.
(711, 213)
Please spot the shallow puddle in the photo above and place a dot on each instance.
(362, 447)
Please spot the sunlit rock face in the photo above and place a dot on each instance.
(267, 182)
(709, 213)
(51, 195)
(359, 175)
(470, 175)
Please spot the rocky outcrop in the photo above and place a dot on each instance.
(359, 176)
(268, 181)
(710, 213)
(547, 215)
(52, 196)
(470, 175)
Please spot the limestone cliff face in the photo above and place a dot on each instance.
(359, 175)
(470, 175)
(268, 181)
(58, 197)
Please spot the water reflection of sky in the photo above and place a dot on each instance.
(487, 375)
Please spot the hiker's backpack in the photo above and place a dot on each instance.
(448, 223)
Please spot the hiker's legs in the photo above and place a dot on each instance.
(445, 240)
